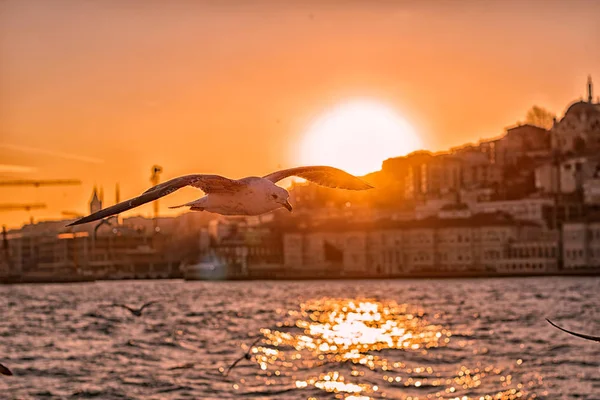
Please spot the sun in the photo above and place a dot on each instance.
(357, 137)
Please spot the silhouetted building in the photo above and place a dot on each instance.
(447, 243)
(579, 130)
(581, 243)
(568, 175)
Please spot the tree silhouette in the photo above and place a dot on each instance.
(539, 116)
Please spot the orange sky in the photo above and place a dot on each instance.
(107, 89)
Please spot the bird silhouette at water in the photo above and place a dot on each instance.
(188, 365)
(246, 356)
(135, 311)
(4, 370)
(581, 335)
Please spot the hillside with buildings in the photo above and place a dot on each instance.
(526, 202)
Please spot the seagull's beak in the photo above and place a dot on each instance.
(287, 205)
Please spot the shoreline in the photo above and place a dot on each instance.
(308, 277)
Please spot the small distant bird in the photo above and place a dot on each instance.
(105, 221)
(183, 366)
(246, 356)
(246, 196)
(581, 335)
(4, 370)
(135, 311)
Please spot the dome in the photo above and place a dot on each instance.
(580, 107)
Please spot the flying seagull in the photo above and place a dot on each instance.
(581, 335)
(135, 311)
(246, 356)
(105, 221)
(246, 196)
(4, 370)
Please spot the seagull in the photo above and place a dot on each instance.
(581, 335)
(247, 196)
(183, 366)
(246, 356)
(135, 311)
(105, 221)
(4, 370)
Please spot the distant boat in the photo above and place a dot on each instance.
(210, 267)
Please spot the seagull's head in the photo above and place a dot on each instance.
(280, 196)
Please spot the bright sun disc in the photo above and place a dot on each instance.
(357, 136)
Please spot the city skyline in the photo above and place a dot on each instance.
(98, 97)
(113, 194)
(256, 198)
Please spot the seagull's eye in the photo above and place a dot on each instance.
(274, 196)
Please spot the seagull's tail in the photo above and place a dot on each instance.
(193, 204)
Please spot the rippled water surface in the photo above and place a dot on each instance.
(405, 339)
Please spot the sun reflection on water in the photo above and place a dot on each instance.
(365, 348)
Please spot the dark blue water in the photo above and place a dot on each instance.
(409, 339)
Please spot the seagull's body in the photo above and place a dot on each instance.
(247, 196)
(4, 370)
(581, 335)
(249, 199)
(135, 311)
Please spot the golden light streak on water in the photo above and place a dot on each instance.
(357, 333)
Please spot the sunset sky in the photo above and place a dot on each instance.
(102, 90)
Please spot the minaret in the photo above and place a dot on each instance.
(590, 89)
(118, 200)
(95, 202)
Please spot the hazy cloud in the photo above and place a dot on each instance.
(51, 153)
(21, 169)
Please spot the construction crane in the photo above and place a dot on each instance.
(38, 183)
(155, 179)
(35, 183)
(26, 207)
(71, 214)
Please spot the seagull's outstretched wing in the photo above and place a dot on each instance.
(148, 304)
(581, 335)
(206, 183)
(4, 370)
(126, 307)
(246, 356)
(253, 343)
(322, 175)
(233, 365)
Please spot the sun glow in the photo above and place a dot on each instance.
(357, 136)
